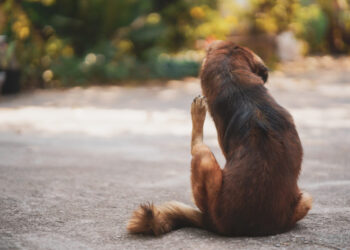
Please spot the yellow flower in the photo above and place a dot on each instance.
(53, 46)
(197, 12)
(125, 45)
(23, 33)
(47, 2)
(153, 18)
(231, 20)
(47, 75)
(267, 24)
(68, 51)
(21, 27)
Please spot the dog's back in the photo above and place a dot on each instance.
(263, 162)
(262, 149)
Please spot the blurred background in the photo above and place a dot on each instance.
(56, 43)
(95, 114)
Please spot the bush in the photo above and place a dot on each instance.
(311, 25)
(74, 42)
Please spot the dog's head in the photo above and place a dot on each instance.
(228, 55)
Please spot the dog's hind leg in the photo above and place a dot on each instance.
(206, 175)
(303, 207)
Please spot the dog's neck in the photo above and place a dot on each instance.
(230, 100)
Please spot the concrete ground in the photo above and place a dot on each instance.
(75, 163)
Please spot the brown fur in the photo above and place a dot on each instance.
(256, 193)
(156, 220)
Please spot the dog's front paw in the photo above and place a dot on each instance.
(199, 109)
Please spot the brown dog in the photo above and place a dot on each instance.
(256, 193)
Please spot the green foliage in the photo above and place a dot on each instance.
(311, 25)
(337, 13)
(174, 68)
(76, 42)
(72, 42)
(323, 25)
(272, 16)
(98, 68)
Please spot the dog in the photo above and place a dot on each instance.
(256, 193)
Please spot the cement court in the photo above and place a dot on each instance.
(75, 163)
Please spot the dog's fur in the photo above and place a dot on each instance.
(256, 193)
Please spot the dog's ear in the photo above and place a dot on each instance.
(263, 72)
(260, 68)
(255, 63)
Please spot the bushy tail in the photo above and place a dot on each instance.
(156, 220)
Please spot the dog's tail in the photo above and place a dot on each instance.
(157, 220)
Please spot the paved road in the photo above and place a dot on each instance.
(75, 163)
